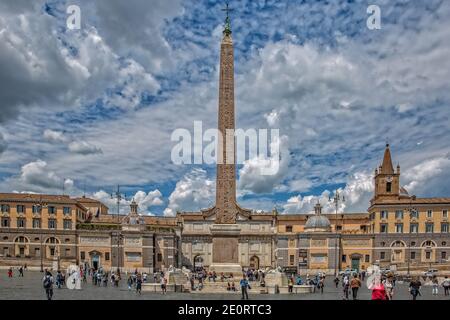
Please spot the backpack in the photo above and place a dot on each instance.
(47, 282)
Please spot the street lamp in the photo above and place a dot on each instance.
(412, 210)
(336, 200)
(118, 196)
(39, 205)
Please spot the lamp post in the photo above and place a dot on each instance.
(412, 210)
(39, 205)
(118, 196)
(336, 200)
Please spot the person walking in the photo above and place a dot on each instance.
(290, 285)
(321, 284)
(163, 285)
(346, 287)
(10, 272)
(47, 282)
(446, 285)
(244, 285)
(389, 287)
(355, 284)
(336, 281)
(59, 279)
(21, 271)
(129, 283)
(138, 284)
(414, 288)
(435, 286)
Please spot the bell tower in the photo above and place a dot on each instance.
(387, 181)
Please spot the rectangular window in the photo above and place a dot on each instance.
(389, 187)
(51, 210)
(384, 214)
(291, 260)
(82, 255)
(344, 258)
(36, 208)
(414, 214)
(51, 223)
(444, 255)
(67, 252)
(383, 228)
(52, 251)
(107, 256)
(429, 227)
(5, 222)
(37, 252)
(288, 228)
(20, 223)
(428, 255)
(367, 258)
(382, 255)
(36, 223)
(444, 227)
(413, 255)
(20, 208)
(67, 224)
(414, 228)
(339, 228)
(5, 207)
(399, 214)
(399, 227)
(67, 210)
(159, 258)
(429, 213)
(444, 213)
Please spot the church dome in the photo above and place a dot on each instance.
(318, 222)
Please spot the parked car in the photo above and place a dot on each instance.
(348, 272)
(430, 272)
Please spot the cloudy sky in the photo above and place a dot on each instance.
(84, 110)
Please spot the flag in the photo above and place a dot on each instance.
(98, 213)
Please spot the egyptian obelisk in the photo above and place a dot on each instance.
(225, 232)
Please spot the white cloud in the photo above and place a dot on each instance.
(83, 147)
(37, 174)
(251, 175)
(54, 136)
(144, 200)
(192, 193)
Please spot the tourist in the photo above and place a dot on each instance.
(116, 281)
(47, 282)
(414, 288)
(389, 287)
(321, 284)
(378, 291)
(129, 283)
(144, 277)
(192, 280)
(290, 284)
(346, 287)
(233, 287)
(262, 282)
(10, 272)
(163, 285)
(363, 275)
(59, 279)
(25, 267)
(244, 286)
(355, 284)
(336, 281)
(435, 286)
(214, 276)
(21, 271)
(155, 277)
(138, 284)
(228, 286)
(446, 285)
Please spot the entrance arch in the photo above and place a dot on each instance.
(51, 247)
(21, 246)
(254, 262)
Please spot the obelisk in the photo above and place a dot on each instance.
(225, 232)
(226, 169)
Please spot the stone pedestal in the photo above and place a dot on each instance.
(225, 249)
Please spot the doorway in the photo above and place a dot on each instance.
(95, 262)
(355, 264)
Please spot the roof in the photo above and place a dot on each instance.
(35, 198)
(411, 201)
(386, 166)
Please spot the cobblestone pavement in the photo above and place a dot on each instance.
(30, 287)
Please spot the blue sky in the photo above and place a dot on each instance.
(95, 107)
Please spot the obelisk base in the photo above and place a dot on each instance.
(225, 249)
